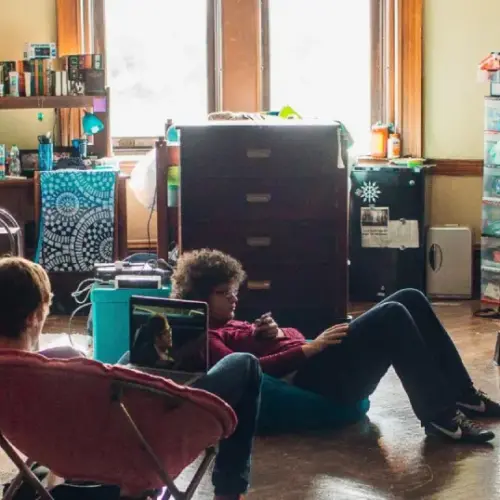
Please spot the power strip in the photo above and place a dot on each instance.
(137, 281)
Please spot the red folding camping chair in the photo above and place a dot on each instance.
(87, 421)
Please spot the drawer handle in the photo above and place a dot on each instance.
(258, 197)
(259, 285)
(259, 241)
(258, 153)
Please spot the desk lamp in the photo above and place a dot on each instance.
(91, 124)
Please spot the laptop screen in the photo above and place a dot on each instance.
(169, 334)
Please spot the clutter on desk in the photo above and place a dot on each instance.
(2, 161)
(14, 162)
(409, 162)
(385, 141)
(41, 73)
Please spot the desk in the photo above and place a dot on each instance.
(18, 196)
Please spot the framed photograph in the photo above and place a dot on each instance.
(28, 159)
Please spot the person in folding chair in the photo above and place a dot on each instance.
(25, 298)
(346, 362)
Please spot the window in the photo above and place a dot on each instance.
(157, 59)
(319, 57)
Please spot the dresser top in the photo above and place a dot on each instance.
(270, 124)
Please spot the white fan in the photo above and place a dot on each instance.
(143, 180)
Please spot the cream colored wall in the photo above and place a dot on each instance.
(25, 21)
(457, 35)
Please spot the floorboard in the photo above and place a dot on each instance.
(387, 456)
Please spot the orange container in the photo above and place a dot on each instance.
(394, 146)
(380, 135)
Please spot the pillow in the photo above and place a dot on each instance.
(288, 409)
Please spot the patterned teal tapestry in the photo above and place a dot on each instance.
(77, 219)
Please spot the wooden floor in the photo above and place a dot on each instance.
(386, 457)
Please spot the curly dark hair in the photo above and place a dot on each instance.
(198, 273)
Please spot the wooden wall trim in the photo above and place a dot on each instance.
(69, 35)
(409, 24)
(142, 244)
(457, 168)
(99, 30)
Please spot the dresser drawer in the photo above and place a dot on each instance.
(267, 241)
(283, 285)
(259, 150)
(261, 199)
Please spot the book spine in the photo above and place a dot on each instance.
(58, 83)
(14, 83)
(41, 87)
(33, 78)
(46, 77)
(64, 82)
(73, 67)
(27, 83)
(97, 62)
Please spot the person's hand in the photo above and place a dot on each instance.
(266, 327)
(331, 336)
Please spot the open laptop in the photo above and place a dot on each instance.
(169, 338)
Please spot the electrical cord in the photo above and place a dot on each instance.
(85, 291)
(79, 308)
(84, 288)
(148, 228)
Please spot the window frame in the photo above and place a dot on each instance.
(396, 67)
(134, 145)
(237, 34)
(377, 101)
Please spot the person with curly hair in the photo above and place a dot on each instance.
(346, 362)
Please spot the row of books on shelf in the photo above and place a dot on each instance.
(81, 74)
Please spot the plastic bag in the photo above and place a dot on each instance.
(143, 180)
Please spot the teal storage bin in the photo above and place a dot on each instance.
(110, 318)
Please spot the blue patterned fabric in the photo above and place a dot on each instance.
(77, 219)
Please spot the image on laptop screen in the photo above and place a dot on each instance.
(167, 334)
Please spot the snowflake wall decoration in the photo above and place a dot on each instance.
(369, 192)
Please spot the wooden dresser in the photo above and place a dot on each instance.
(275, 197)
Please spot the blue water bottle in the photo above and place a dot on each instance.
(45, 153)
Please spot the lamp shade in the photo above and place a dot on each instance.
(91, 124)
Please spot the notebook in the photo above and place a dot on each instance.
(169, 338)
